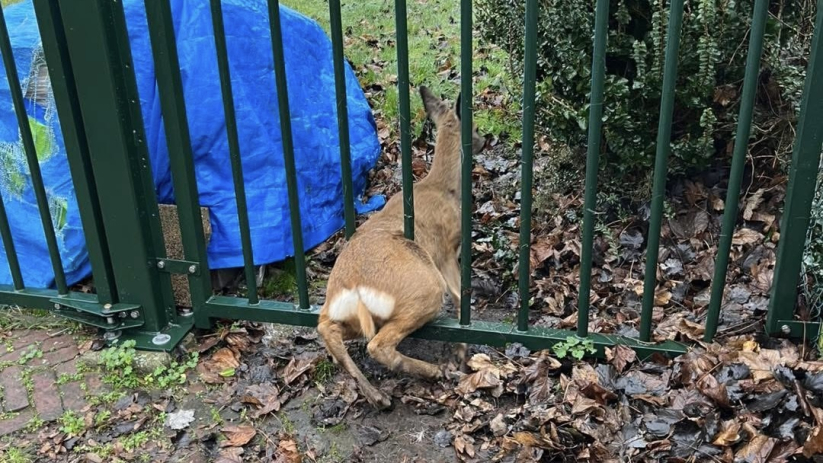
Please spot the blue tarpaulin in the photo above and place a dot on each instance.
(310, 76)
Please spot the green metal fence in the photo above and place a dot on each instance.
(89, 61)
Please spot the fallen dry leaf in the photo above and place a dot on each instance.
(814, 444)
(728, 435)
(287, 452)
(237, 436)
(756, 450)
(498, 425)
(296, 368)
(482, 361)
(620, 356)
(230, 455)
(762, 363)
(464, 445)
(265, 396)
(746, 236)
(483, 379)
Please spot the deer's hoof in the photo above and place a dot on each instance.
(449, 374)
(380, 400)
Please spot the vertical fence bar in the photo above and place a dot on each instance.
(741, 145)
(8, 245)
(342, 113)
(466, 161)
(800, 190)
(288, 151)
(661, 165)
(527, 163)
(234, 148)
(592, 162)
(405, 118)
(181, 159)
(56, 51)
(31, 157)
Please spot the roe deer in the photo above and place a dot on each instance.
(383, 286)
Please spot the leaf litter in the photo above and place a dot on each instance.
(739, 400)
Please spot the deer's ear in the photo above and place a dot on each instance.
(457, 104)
(433, 105)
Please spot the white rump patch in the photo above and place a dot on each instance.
(344, 306)
(378, 303)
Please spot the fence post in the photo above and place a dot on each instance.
(799, 193)
(99, 49)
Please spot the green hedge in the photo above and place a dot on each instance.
(712, 62)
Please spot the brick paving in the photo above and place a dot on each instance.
(31, 367)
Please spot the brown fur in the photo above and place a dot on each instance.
(416, 275)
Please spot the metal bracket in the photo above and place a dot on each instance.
(93, 308)
(796, 328)
(178, 267)
(118, 316)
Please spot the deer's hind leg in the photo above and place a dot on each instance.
(332, 334)
(383, 347)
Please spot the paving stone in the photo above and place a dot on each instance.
(95, 384)
(58, 342)
(46, 396)
(27, 338)
(15, 397)
(59, 356)
(74, 398)
(15, 355)
(68, 368)
(16, 423)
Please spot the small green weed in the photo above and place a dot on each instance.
(288, 426)
(66, 378)
(324, 371)
(72, 423)
(102, 451)
(101, 418)
(574, 346)
(31, 353)
(135, 441)
(339, 428)
(215, 416)
(15, 455)
(106, 399)
(35, 424)
(118, 362)
(172, 375)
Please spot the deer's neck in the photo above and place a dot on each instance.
(445, 169)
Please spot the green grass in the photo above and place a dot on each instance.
(281, 283)
(13, 318)
(434, 60)
(324, 371)
(15, 454)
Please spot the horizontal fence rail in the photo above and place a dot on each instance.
(114, 124)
